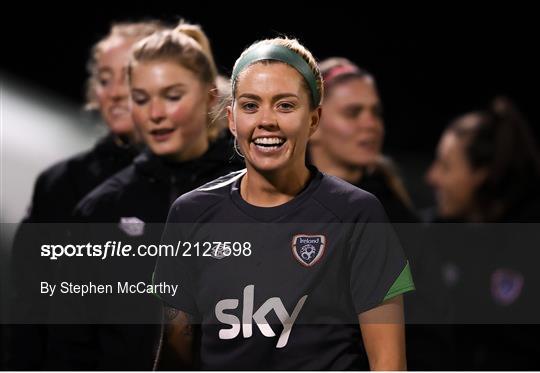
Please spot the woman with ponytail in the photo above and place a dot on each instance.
(487, 167)
(172, 83)
(487, 170)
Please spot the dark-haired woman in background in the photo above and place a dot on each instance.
(487, 170)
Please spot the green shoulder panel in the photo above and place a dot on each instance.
(403, 283)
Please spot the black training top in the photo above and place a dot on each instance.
(281, 287)
(134, 204)
(61, 186)
(56, 192)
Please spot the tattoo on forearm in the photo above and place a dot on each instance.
(178, 320)
(171, 313)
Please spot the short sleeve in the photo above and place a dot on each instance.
(379, 270)
(177, 269)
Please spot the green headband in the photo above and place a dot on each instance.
(278, 53)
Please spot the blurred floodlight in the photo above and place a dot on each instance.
(36, 130)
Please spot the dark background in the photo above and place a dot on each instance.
(432, 63)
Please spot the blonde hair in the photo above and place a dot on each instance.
(188, 46)
(219, 114)
(299, 49)
(127, 30)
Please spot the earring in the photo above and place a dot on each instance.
(237, 148)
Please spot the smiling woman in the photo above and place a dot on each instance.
(275, 110)
(270, 117)
(337, 284)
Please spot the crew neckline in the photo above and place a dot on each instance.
(268, 214)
